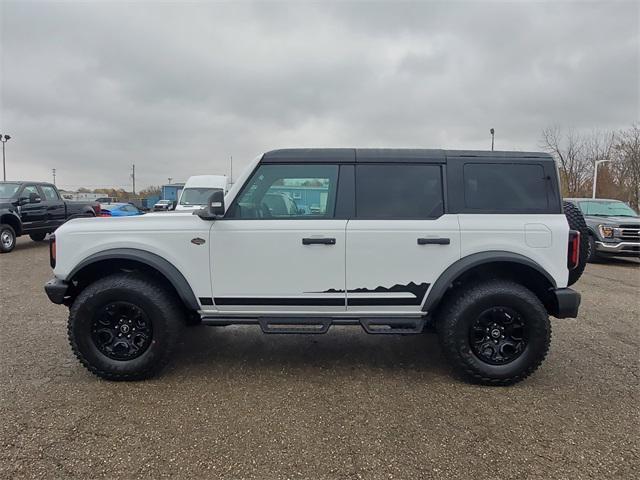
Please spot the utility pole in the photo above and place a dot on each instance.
(170, 178)
(492, 136)
(133, 178)
(231, 179)
(595, 176)
(54, 175)
(4, 139)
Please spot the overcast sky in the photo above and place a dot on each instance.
(177, 88)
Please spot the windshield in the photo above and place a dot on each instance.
(8, 190)
(197, 196)
(607, 208)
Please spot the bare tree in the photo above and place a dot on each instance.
(569, 151)
(627, 163)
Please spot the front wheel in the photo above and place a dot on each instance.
(592, 254)
(495, 333)
(124, 326)
(7, 238)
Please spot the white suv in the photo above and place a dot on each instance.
(475, 244)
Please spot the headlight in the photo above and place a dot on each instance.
(605, 231)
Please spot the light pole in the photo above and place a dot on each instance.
(595, 176)
(492, 136)
(4, 139)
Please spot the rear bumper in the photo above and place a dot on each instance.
(567, 303)
(618, 248)
(56, 290)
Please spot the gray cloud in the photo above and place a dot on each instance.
(177, 88)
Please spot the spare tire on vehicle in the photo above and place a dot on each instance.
(576, 222)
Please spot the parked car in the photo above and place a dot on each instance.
(614, 227)
(474, 243)
(198, 189)
(163, 205)
(35, 209)
(119, 210)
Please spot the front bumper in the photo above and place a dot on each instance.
(619, 248)
(566, 303)
(56, 290)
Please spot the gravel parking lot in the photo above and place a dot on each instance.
(235, 403)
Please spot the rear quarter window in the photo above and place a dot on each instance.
(505, 187)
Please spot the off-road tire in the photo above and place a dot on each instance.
(463, 307)
(158, 303)
(37, 237)
(7, 233)
(576, 222)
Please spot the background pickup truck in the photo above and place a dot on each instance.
(35, 209)
(614, 228)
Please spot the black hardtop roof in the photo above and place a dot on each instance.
(371, 155)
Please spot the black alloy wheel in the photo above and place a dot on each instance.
(121, 331)
(498, 335)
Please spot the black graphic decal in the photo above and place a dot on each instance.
(417, 290)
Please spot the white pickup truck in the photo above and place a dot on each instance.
(475, 244)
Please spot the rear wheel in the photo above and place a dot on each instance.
(7, 238)
(496, 333)
(576, 222)
(37, 237)
(124, 326)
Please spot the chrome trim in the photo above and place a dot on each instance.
(617, 247)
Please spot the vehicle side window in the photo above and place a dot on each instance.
(399, 191)
(50, 193)
(504, 187)
(288, 191)
(28, 190)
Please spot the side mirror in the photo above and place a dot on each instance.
(214, 208)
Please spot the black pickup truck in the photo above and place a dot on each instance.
(35, 209)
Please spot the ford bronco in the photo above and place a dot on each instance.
(474, 244)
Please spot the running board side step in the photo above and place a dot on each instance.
(390, 326)
(315, 325)
(294, 325)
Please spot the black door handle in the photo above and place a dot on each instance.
(434, 241)
(318, 241)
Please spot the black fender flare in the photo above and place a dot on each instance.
(14, 218)
(170, 272)
(456, 269)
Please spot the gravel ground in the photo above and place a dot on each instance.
(235, 403)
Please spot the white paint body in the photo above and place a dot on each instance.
(266, 258)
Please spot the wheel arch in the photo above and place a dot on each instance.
(494, 264)
(124, 259)
(12, 220)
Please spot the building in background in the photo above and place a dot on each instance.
(171, 191)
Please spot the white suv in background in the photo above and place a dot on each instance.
(198, 189)
(475, 244)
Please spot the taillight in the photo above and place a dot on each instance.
(52, 251)
(573, 256)
(97, 209)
